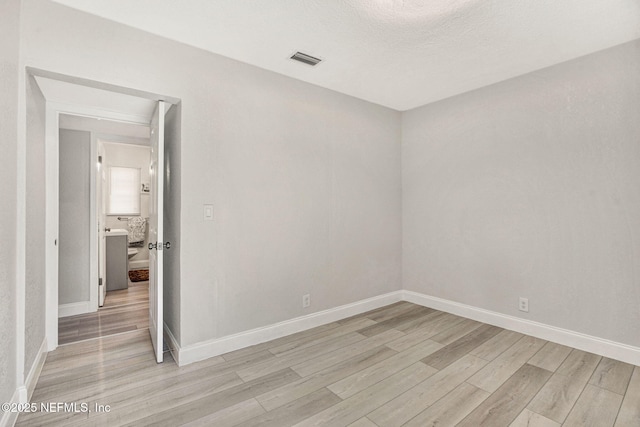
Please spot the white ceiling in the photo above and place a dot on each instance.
(398, 53)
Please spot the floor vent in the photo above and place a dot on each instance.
(307, 59)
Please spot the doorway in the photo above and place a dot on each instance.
(77, 96)
(98, 152)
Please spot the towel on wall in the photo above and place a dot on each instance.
(137, 227)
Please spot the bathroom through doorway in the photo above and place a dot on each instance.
(118, 156)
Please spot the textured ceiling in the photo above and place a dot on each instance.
(398, 53)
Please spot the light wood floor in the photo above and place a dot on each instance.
(398, 365)
(123, 311)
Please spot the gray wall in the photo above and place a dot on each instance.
(74, 196)
(9, 59)
(305, 181)
(531, 187)
(308, 189)
(35, 223)
(171, 258)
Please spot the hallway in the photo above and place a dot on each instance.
(123, 311)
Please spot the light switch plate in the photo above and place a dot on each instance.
(208, 212)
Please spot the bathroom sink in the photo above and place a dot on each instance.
(117, 232)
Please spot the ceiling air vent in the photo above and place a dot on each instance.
(307, 59)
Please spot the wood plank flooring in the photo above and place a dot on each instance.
(400, 365)
(124, 310)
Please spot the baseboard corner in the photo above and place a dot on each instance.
(174, 346)
(601, 346)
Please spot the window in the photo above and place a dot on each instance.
(124, 191)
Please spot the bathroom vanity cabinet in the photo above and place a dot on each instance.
(117, 261)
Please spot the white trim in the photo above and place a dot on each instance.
(36, 368)
(21, 233)
(51, 226)
(206, 349)
(75, 308)
(174, 346)
(600, 346)
(9, 418)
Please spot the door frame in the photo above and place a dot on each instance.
(52, 185)
(52, 114)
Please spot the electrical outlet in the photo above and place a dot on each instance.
(523, 304)
(306, 300)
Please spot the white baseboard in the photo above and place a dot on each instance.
(74, 308)
(22, 393)
(206, 349)
(174, 346)
(137, 265)
(600, 346)
(36, 369)
(9, 419)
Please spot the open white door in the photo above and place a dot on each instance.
(102, 223)
(156, 243)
